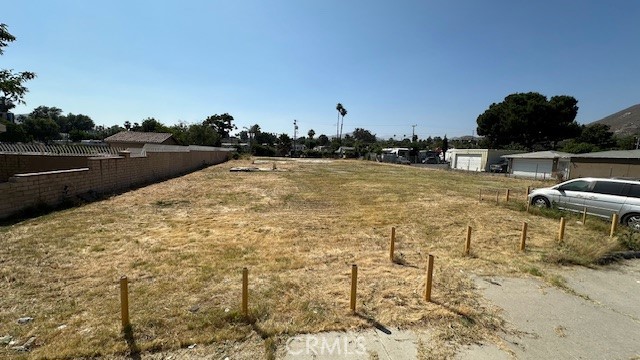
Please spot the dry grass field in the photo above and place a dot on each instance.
(183, 244)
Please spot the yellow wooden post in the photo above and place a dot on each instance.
(354, 285)
(124, 302)
(467, 244)
(427, 292)
(523, 238)
(392, 245)
(561, 230)
(245, 291)
(614, 224)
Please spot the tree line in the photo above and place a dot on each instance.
(531, 121)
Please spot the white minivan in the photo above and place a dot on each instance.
(601, 197)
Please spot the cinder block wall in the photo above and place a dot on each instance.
(11, 164)
(101, 175)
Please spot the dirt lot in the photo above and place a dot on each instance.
(298, 229)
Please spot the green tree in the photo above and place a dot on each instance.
(202, 134)
(445, 145)
(284, 144)
(221, 124)
(364, 136)
(12, 88)
(79, 122)
(598, 135)
(46, 112)
(323, 140)
(626, 142)
(42, 129)
(15, 133)
(152, 125)
(529, 119)
(311, 133)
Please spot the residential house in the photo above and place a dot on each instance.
(540, 165)
(134, 139)
(475, 159)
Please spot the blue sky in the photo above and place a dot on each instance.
(434, 64)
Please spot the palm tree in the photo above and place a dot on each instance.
(311, 134)
(340, 108)
(343, 112)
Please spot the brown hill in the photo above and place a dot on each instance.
(622, 123)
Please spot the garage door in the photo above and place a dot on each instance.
(534, 168)
(469, 162)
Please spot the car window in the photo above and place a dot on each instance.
(634, 190)
(578, 185)
(608, 187)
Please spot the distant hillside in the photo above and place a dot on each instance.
(625, 122)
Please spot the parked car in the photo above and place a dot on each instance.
(500, 167)
(431, 159)
(601, 197)
(403, 160)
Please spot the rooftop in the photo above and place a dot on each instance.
(139, 137)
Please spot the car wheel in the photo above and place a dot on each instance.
(632, 221)
(540, 201)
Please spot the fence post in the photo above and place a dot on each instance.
(507, 195)
(614, 224)
(427, 291)
(354, 285)
(523, 238)
(245, 291)
(124, 302)
(467, 244)
(392, 245)
(561, 230)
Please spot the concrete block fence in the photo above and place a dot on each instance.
(100, 175)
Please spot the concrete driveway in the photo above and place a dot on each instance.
(597, 317)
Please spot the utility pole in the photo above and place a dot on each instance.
(413, 132)
(295, 133)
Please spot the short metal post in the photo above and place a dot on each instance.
(561, 230)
